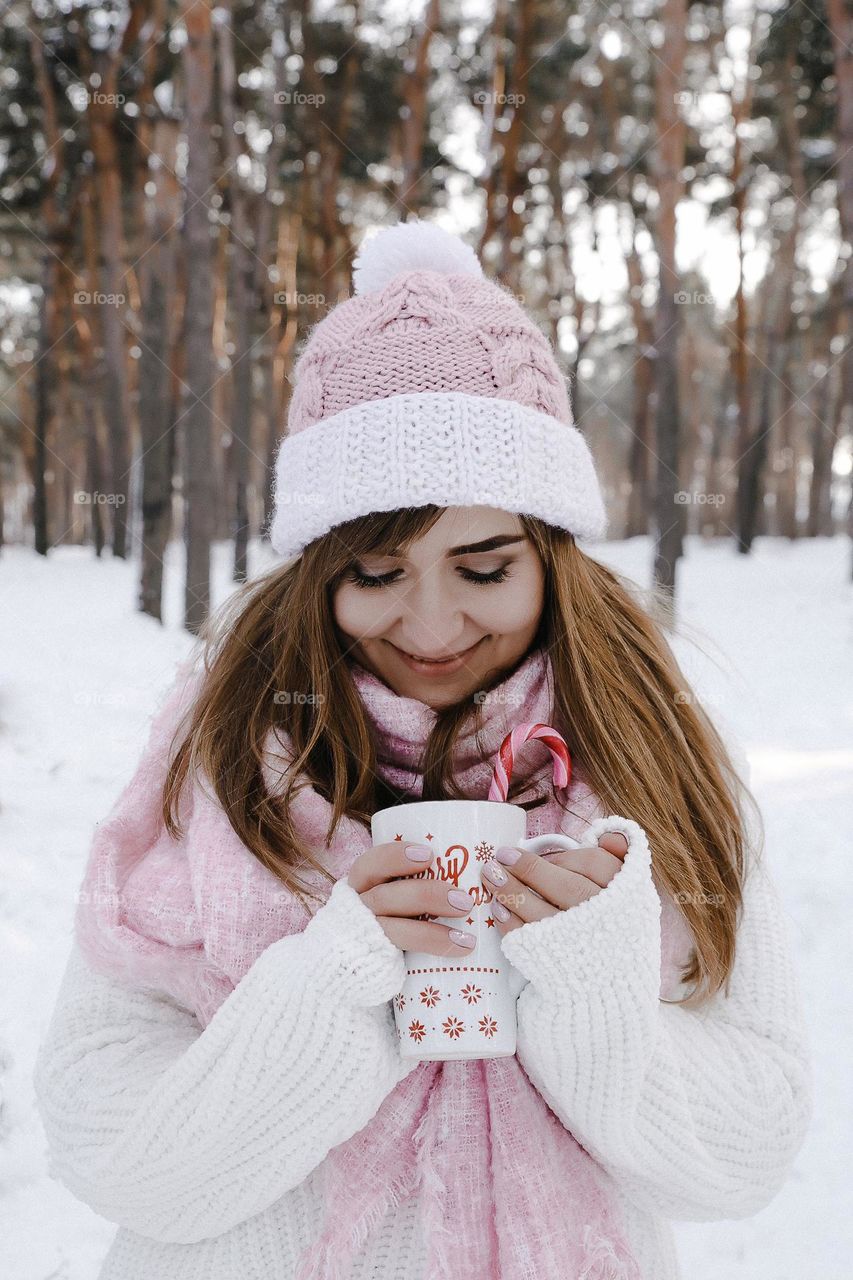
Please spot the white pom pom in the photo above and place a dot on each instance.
(411, 246)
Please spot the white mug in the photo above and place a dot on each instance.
(453, 1008)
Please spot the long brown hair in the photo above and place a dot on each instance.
(274, 658)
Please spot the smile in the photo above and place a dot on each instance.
(436, 666)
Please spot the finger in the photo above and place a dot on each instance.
(384, 861)
(512, 921)
(413, 898)
(614, 842)
(561, 886)
(517, 896)
(416, 935)
(596, 864)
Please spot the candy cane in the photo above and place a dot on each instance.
(506, 757)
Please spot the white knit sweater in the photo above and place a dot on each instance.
(207, 1147)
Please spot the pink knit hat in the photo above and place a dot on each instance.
(430, 385)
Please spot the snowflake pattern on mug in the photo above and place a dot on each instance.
(430, 996)
(484, 850)
(453, 1027)
(471, 993)
(417, 1031)
(400, 1000)
(488, 1026)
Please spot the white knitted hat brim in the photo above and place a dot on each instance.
(447, 448)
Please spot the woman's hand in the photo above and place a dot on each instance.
(384, 877)
(531, 886)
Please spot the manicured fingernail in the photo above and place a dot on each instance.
(507, 855)
(463, 939)
(418, 853)
(499, 910)
(495, 873)
(457, 898)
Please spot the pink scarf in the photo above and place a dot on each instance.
(476, 1139)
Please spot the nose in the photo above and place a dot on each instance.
(430, 625)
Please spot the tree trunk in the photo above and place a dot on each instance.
(514, 178)
(241, 299)
(43, 368)
(415, 85)
(162, 215)
(88, 330)
(102, 116)
(741, 111)
(271, 222)
(198, 320)
(639, 468)
(779, 328)
(819, 522)
(52, 166)
(490, 116)
(825, 411)
(668, 165)
(840, 20)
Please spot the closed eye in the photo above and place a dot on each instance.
(385, 579)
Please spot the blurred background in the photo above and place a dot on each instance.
(668, 188)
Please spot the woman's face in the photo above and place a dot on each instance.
(466, 597)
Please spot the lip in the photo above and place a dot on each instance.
(447, 668)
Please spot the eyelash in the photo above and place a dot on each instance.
(384, 579)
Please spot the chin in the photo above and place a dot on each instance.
(438, 693)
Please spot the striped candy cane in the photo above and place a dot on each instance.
(506, 757)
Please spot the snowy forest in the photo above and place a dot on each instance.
(667, 188)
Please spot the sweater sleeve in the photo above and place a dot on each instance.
(697, 1114)
(180, 1133)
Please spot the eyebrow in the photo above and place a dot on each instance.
(470, 548)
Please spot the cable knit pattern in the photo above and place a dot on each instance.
(219, 1137)
(219, 1140)
(426, 331)
(696, 1113)
(180, 1136)
(442, 1130)
(433, 386)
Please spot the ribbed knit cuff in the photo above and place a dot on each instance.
(351, 946)
(611, 933)
(450, 448)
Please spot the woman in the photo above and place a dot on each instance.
(222, 1075)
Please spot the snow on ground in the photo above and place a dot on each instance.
(82, 672)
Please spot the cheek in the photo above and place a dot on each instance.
(516, 604)
(354, 613)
